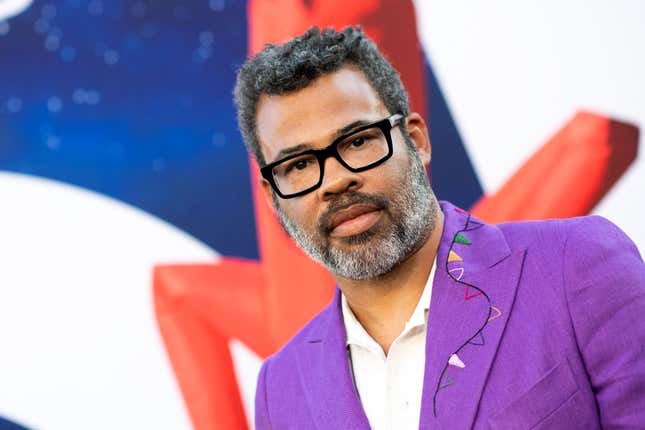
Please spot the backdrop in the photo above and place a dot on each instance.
(143, 278)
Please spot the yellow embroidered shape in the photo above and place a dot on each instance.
(453, 256)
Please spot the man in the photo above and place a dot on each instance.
(439, 320)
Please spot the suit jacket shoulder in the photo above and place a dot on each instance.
(546, 317)
(583, 280)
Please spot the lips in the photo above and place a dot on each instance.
(354, 220)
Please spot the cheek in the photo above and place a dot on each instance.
(300, 213)
(393, 172)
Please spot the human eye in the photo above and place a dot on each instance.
(359, 140)
(356, 141)
(297, 165)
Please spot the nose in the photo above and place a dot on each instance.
(337, 179)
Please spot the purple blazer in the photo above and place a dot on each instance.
(548, 318)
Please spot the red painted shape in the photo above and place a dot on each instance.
(198, 311)
(201, 307)
(569, 175)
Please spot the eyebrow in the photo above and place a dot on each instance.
(304, 146)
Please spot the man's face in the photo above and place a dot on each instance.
(358, 225)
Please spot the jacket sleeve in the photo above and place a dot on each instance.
(604, 278)
(261, 408)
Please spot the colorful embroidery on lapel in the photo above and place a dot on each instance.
(469, 296)
(459, 271)
(478, 339)
(446, 381)
(498, 313)
(456, 273)
(460, 238)
(456, 361)
(461, 211)
(453, 256)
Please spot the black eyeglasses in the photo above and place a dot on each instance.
(361, 149)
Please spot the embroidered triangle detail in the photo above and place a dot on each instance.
(457, 273)
(495, 313)
(460, 238)
(456, 361)
(469, 296)
(453, 256)
(446, 381)
(477, 340)
(473, 225)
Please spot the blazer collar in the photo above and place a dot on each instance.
(324, 370)
(473, 291)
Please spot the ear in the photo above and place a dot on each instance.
(419, 133)
(268, 194)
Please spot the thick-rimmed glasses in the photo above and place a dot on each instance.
(361, 149)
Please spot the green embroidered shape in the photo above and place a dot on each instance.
(462, 239)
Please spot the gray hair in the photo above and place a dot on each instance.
(296, 64)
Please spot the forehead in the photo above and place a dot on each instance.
(312, 115)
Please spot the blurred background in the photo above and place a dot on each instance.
(143, 280)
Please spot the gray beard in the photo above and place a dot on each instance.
(408, 228)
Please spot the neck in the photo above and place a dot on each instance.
(384, 304)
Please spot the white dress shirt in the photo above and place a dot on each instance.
(390, 386)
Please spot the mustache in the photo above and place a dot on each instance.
(346, 200)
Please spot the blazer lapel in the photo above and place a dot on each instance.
(472, 295)
(324, 371)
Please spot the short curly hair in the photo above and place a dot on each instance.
(296, 64)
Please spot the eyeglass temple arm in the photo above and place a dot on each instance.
(395, 119)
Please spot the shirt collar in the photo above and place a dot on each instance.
(420, 314)
(356, 334)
